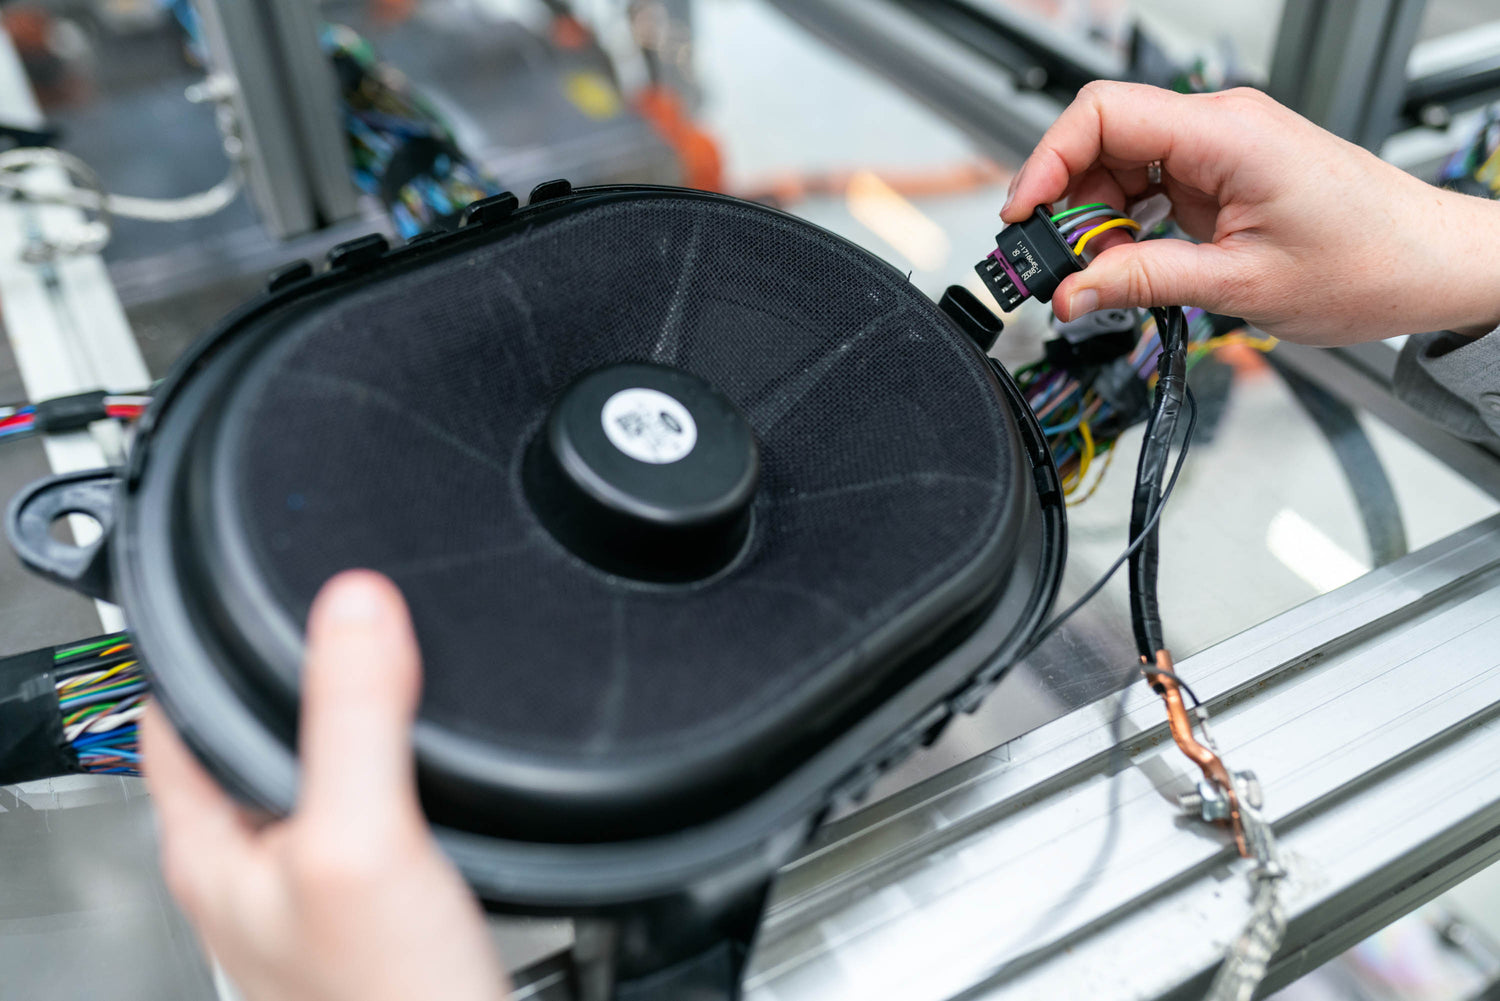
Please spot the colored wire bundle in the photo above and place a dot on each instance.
(21, 419)
(1081, 427)
(1475, 168)
(1081, 224)
(101, 693)
(402, 150)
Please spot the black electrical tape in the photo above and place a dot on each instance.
(70, 413)
(31, 731)
(1171, 386)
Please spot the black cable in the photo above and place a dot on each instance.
(1156, 672)
(1369, 483)
(1140, 537)
(1161, 429)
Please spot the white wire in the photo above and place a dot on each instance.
(131, 709)
(99, 724)
(94, 198)
(82, 680)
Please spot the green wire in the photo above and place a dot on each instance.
(86, 648)
(1081, 208)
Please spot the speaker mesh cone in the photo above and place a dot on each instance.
(387, 428)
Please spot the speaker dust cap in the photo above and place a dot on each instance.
(645, 471)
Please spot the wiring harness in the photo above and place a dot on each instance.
(402, 150)
(101, 694)
(1474, 169)
(1098, 378)
(69, 413)
(1095, 381)
(71, 709)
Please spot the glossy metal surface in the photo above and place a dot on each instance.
(1369, 715)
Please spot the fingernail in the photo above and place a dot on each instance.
(1085, 300)
(353, 600)
(1015, 182)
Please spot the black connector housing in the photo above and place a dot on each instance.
(1030, 260)
(1095, 338)
(70, 413)
(1121, 386)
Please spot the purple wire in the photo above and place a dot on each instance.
(1053, 381)
(1076, 230)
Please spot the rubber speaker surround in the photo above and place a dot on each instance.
(386, 428)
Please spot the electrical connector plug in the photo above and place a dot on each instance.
(1030, 260)
(1095, 338)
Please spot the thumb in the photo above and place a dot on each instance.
(360, 689)
(1153, 273)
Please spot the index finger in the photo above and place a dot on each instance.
(1119, 126)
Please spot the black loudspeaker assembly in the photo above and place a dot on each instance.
(706, 518)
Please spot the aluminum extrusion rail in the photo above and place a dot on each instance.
(1059, 866)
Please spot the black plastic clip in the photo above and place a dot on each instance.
(488, 211)
(289, 275)
(548, 190)
(358, 254)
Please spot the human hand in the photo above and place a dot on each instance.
(1306, 236)
(349, 898)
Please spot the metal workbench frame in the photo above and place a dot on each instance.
(267, 55)
(1058, 866)
(1353, 66)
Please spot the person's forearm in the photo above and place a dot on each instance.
(1465, 297)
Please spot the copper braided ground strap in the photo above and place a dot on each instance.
(1181, 725)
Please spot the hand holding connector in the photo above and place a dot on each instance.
(1033, 256)
(1031, 259)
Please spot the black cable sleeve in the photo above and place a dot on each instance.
(31, 731)
(70, 413)
(1151, 470)
(1135, 543)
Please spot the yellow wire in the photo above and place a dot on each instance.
(1088, 450)
(1112, 224)
(1085, 456)
(1229, 340)
(1109, 457)
(1490, 167)
(89, 679)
